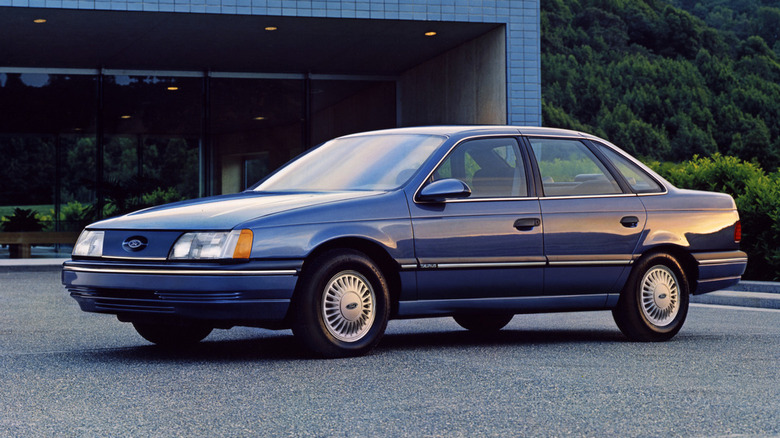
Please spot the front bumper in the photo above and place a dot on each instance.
(719, 270)
(244, 294)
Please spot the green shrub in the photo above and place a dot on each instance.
(757, 195)
(22, 220)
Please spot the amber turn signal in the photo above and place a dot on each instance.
(244, 245)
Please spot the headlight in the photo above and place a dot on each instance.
(236, 244)
(90, 244)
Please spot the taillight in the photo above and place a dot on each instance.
(738, 231)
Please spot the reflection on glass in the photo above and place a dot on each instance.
(151, 147)
(47, 143)
(254, 119)
(368, 162)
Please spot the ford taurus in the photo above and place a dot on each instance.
(476, 223)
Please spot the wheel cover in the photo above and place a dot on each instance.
(348, 306)
(660, 296)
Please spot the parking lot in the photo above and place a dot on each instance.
(68, 373)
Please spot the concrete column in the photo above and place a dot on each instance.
(464, 86)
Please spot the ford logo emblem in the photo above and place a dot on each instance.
(351, 306)
(135, 244)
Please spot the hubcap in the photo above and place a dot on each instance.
(660, 296)
(348, 306)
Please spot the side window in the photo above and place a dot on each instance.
(640, 181)
(492, 168)
(569, 168)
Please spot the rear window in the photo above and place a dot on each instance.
(637, 178)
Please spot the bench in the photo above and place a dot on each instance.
(20, 243)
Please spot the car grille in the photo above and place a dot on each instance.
(128, 300)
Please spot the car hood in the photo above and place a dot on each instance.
(221, 212)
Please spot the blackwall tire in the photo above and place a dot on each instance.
(654, 303)
(483, 323)
(172, 336)
(342, 305)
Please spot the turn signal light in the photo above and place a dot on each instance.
(244, 245)
(738, 231)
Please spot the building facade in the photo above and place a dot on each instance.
(111, 105)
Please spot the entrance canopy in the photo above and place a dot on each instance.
(220, 42)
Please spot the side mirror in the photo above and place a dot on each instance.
(439, 191)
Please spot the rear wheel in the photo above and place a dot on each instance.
(483, 323)
(342, 305)
(654, 303)
(168, 335)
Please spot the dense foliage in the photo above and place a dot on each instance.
(662, 82)
(757, 195)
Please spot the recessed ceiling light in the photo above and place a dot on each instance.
(259, 118)
(173, 88)
(125, 117)
(39, 20)
(430, 34)
(271, 28)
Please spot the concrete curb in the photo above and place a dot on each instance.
(760, 294)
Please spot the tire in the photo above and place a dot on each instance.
(654, 303)
(169, 335)
(483, 323)
(342, 305)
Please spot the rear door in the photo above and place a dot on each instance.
(592, 221)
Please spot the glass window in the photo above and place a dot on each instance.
(47, 141)
(639, 181)
(569, 168)
(365, 162)
(257, 125)
(152, 140)
(341, 107)
(492, 168)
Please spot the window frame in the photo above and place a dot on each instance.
(522, 153)
(625, 188)
(598, 145)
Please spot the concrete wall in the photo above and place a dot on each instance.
(466, 85)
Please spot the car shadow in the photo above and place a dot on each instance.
(282, 346)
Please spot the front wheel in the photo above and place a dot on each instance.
(654, 303)
(342, 305)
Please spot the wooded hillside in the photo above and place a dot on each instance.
(666, 79)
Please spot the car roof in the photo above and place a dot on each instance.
(466, 130)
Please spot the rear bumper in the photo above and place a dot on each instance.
(223, 295)
(719, 270)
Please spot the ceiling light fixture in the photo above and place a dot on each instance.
(173, 88)
(271, 28)
(39, 20)
(430, 34)
(125, 117)
(259, 118)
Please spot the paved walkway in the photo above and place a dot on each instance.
(761, 294)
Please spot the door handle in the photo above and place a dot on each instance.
(527, 224)
(630, 221)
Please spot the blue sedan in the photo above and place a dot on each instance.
(477, 223)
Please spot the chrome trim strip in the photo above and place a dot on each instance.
(488, 265)
(608, 195)
(591, 262)
(723, 261)
(409, 266)
(180, 271)
(140, 259)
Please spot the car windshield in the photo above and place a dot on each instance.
(366, 162)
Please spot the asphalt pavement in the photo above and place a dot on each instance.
(64, 372)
